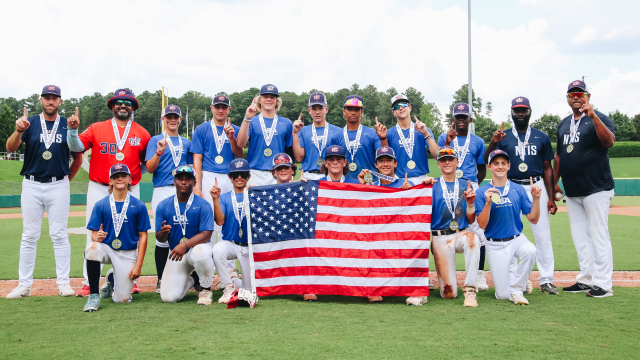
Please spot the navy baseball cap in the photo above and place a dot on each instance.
(269, 89)
(447, 151)
(119, 168)
(184, 169)
(317, 98)
(172, 109)
(385, 151)
(578, 84)
(520, 101)
(221, 99)
(353, 101)
(462, 109)
(239, 165)
(498, 152)
(51, 90)
(123, 94)
(399, 98)
(335, 150)
(280, 160)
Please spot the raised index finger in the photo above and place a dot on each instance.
(216, 181)
(468, 185)
(25, 113)
(77, 113)
(531, 180)
(502, 126)
(452, 122)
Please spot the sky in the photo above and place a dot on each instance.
(531, 48)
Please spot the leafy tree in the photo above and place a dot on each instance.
(624, 129)
(462, 96)
(7, 125)
(485, 127)
(431, 116)
(636, 124)
(33, 104)
(548, 124)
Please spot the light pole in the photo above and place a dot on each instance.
(472, 126)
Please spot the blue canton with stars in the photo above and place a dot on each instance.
(284, 211)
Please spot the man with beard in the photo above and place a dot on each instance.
(117, 140)
(531, 148)
(45, 187)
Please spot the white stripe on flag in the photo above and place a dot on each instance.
(343, 281)
(342, 262)
(365, 195)
(390, 210)
(373, 228)
(341, 244)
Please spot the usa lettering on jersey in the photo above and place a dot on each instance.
(504, 201)
(528, 150)
(180, 218)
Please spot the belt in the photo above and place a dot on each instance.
(445, 232)
(503, 240)
(526, 181)
(315, 172)
(239, 243)
(44, 180)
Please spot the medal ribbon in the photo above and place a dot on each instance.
(352, 147)
(450, 196)
(329, 178)
(239, 215)
(383, 177)
(49, 136)
(176, 205)
(314, 138)
(220, 139)
(118, 219)
(176, 151)
(505, 191)
(407, 144)
(120, 142)
(521, 144)
(574, 129)
(462, 153)
(268, 135)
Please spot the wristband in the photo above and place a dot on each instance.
(247, 120)
(471, 209)
(159, 154)
(20, 131)
(428, 137)
(384, 138)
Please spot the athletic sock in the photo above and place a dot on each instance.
(481, 262)
(93, 276)
(161, 255)
(204, 288)
(196, 278)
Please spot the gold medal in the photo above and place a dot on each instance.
(46, 155)
(353, 167)
(459, 174)
(240, 233)
(219, 159)
(523, 167)
(495, 198)
(183, 239)
(570, 148)
(453, 225)
(368, 178)
(411, 165)
(119, 156)
(319, 162)
(267, 152)
(116, 244)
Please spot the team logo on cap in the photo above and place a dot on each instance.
(334, 149)
(316, 97)
(239, 164)
(172, 107)
(460, 107)
(384, 149)
(221, 97)
(51, 88)
(122, 92)
(118, 166)
(519, 100)
(270, 87)
(575, 83)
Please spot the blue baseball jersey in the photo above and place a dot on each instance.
(347, 180)
(136, 221)
(474, 157)
(311, 155)
(33, 139)
(203, 143)
(231, 226)
(397, 183)
(163, 175)
(419, 152)
(504, 220)
(366, 153)
(440, 215)
(199, 218)
(282, 139)
(536, 152)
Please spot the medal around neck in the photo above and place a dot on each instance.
(47, 155)
(119, 156)
(116, 244)
(240, 233)
(570, 148)
(523, 167)
(368, 178)
(353, 167)
(48, 136)
(495, 198)
(319, 162)
(453, 225)
(459, 174)
(219, 159)
(411, 165)
(268, 152)
(184, 239)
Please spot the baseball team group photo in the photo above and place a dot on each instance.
(270, 221)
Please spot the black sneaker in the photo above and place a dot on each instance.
(577, 288)
(598, 292)
(549, 288)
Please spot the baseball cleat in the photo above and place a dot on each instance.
(85, 291)
(19, 292)
(599, 292)
(481, 281)
(107, 288)
(417, 300)
(205, 297)
(431, 286)
(549, 288)
(93, 303)
(375, 298)
(65, 290)
(470, 298)
(217, 285)
(226, 295)
(519, 299)
(529, 289)
(135, 289)
(577, 288)
(158, 286)
(310, 297)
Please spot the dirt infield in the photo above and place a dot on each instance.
(48, 287)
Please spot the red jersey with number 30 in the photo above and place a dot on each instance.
(99, 137)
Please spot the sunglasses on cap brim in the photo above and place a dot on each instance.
(446, 152)
(243, 174)
(577, 95)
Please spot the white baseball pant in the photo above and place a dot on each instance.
(589, 221)
(444, 248)
(175, 284)
(160, 193)
(226, 250)
(122, 260)
(312, 176)
(542, 234)
(36, 198)
(225, 185)
(509, 280)
(416, 180)
(95, 193)
(261, 177)
(475, 227)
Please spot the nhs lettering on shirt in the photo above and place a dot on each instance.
(57, 140)
(567, 137)
(528, 150)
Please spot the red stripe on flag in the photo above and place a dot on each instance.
(388, 236)
(342, 253)
(377, 203)
(342, 271)
(329, 185)
(362, 291)
(371, 220)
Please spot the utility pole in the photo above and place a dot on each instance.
(472, 126)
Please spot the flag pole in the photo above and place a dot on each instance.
(162, 111)
(252, 266)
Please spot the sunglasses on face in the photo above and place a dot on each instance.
(576, 95)
(172, 116)
(235, 175)
(462, 117)
(400, 105)
(126, 103)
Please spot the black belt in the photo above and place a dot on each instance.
(239, 243)
(503, 240)
(526, 181)
(44, 180)
(445, 232)
(315, 172)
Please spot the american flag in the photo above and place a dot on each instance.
(329, 238)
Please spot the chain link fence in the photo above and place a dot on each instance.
(15, 188)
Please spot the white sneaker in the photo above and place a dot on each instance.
(470, 298)
(66, 290)
(205, 297)
(226, 295)
(417, 300)
(19, 292)
(529, 289)
(519, 299)
(481, 281)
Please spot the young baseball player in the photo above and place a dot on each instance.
(582, 160)
(360, 141)
(498, 207)
(113, 141)
(118, 224)
(335, 166)
(309, 142)
(161, 164)
(268, 134)
(453, 210)
(410, 141)
(185, 222)
(386, 164)
(471, 165)
(531, 148)
(45, 187)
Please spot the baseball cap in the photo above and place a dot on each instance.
(398, 98)
(184, 169)
(123, 94)
(221, 99)
(520, 101)
(282, 159)
(239, 165)
(172, 109)
(462, 109)
(577, 84)
(498, 152)
(269, 89)
(353, 100)
(447, 151)
(317, 98)
(385, 151)
(119, 168)
(335, 150)
(51, 89)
